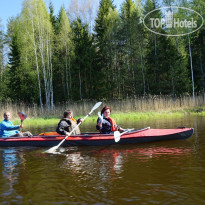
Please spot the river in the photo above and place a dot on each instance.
(168, 172)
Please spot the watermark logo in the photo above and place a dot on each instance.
(173, 21)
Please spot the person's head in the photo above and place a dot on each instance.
(68, 114)
(7, 116)
(106, 111)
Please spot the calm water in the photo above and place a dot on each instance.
(170, 172)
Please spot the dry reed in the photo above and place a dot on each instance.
(140, 104)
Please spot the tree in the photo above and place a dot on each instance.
(166, 73)
(131, 36)
(198, 48)
(62, 57)
(37, 29)
(1, 51)
(105, 28)
(83, 73)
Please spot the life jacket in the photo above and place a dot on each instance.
(113, 124)
(74, 120)
(73, 123)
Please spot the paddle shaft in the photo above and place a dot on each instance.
(146, 128)
(126, 131)
(117, 137)
(21, 125)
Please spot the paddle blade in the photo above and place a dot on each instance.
(97, 105)
(22, 115)
(117, 136)
(52, 149)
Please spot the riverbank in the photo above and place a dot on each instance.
(119, 117)
(143, 104)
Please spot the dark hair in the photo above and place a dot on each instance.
(105, 108)
(67, 112)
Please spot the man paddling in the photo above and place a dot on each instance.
(68, 123)
(7, 129)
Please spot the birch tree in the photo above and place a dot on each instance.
(39, 31)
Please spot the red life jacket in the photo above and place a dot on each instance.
(113, 124)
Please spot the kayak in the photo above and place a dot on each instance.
(97, 139)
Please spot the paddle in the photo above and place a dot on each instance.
(52, 149)
(117, 134)
(22, 116)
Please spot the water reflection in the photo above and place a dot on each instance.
(10, 159)
(113, 159)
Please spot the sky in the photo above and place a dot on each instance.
(11, 8)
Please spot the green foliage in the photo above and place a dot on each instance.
(63, 51)
(82, 69)
(105, 29)
(54, 60)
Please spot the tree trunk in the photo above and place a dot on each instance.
(37, 68)
(80, 89)
(142, 66)
(202, 72)
(192, 73)
(66, 71)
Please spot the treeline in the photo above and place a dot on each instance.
(54, 59)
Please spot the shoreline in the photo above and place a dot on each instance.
(49, 121)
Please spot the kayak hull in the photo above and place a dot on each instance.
(96, 139)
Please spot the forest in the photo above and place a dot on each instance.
(71, 56)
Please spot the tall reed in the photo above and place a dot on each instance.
(137, 104)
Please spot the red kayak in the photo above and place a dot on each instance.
(96, 139)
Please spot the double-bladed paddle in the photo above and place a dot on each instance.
(52, 149)
(117, 134)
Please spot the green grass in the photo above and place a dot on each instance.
(38, 122)
(119, 117)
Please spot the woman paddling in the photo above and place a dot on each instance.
(105, 124)
(68, 123)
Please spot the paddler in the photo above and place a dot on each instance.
(106, 124)
(7, 129)
(68, 123)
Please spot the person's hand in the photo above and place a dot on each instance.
(20, 126)
(81, 120)
(100, 117)
(68, 134)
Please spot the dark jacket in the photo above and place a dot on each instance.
(66, 125)
(106, 126)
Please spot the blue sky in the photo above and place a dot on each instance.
(11, 8)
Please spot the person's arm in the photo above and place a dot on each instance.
(6, 126)
(99, 124)
(120, 128)
(99, 121)
(62, 125)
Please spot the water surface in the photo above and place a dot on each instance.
(169, 172)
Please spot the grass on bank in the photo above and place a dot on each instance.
(119, 117)
(141, 108)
